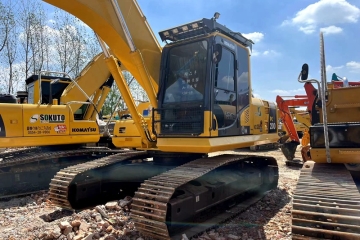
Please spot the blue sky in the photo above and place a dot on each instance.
(286, 35)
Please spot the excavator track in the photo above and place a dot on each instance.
(150, 209)
(326, 203)
(35, 155)
(30, 170)
(61, 183)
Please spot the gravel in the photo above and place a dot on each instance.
(33, 217)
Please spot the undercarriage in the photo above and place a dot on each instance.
(326, 202)
(167, 195)
(29, 170)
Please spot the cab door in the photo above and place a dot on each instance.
(224, 101)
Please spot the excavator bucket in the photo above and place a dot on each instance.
(289, 149)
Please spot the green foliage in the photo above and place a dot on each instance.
(111, 100)
(113, 97)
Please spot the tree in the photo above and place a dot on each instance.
(6, 23)
(32, 38)
(113, 98)
(10, 48)
(70, 44)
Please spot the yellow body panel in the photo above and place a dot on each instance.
(90, 79)
(208, 145)
(258, 117)
(338, 155)
(127, 135)
(12, 117)
(41, 125)
(343, 104)
(47, 141)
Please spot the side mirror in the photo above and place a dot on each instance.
(304, 71)
(217, 53)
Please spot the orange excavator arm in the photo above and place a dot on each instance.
(285, 115)
(308, 100)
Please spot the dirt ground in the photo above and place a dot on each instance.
(33, 217)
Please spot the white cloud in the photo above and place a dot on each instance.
(307, 29)
(325, 13)
(330, 68)
(254, 36)
(353, 66)
(289, 92)
(255, 53)
(257, 37)
(331, 30)
(271, 53)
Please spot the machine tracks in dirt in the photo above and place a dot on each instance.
(60, 184)
(37, 154)
(326, 203)
(30, 170)
(150, 209)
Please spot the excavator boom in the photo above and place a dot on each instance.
(91, 78)
(135, 46)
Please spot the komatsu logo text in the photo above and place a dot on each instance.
(89, 129)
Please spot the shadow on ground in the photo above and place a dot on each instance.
(250, 224)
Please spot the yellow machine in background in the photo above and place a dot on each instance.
(301, 121)
(326, 200)
(301, 116)
(58, 109)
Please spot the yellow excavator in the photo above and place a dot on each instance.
(200, 91)
(327, 199)
(199, 86)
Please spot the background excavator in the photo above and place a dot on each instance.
(56, 118)
(294, 130)
(327, 198)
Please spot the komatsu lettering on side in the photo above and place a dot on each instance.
(50, 118)
(89, 129)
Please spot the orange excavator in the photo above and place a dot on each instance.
(291, 140)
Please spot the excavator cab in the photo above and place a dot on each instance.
(45, 88)
(204, 83)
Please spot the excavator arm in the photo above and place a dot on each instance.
(289, 147)
(89, 81)
(286, 116)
